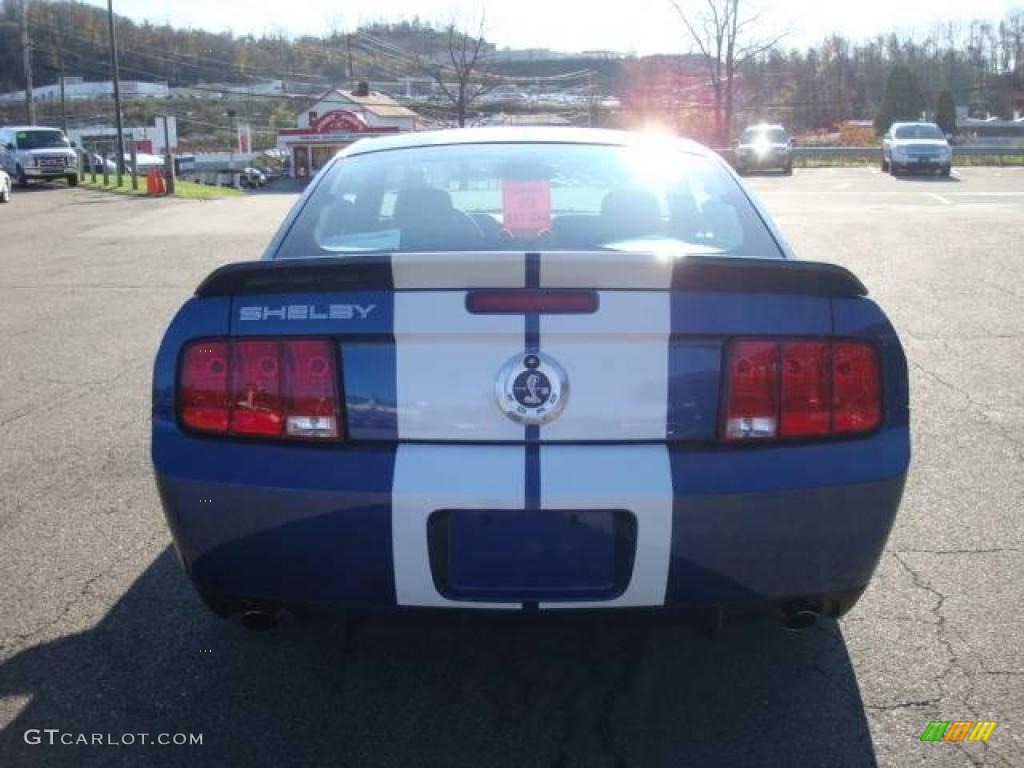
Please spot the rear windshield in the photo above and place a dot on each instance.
(501, 197)
(772, 135)
(41, 139)
(918, 132)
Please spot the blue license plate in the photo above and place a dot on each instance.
(517, 555)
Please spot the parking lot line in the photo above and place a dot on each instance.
(940, 198)
(989, 194)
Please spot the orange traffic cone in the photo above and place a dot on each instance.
(151, 187)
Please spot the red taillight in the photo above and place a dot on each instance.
(753, 389)
(544, 302)
(800, 388)
(805, 388)
(856, 393)
(261, 387)
(203, 386)
(256, 407)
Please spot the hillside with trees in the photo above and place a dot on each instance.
(980, 64)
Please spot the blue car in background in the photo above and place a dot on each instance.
(530, 369)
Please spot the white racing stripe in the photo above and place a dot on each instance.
(458, 269)
(447, 361)
(637, 478)
(605, 269)
(431, 477)
(616, 361)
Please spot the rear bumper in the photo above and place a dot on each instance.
(348, 526)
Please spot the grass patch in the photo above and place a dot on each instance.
(188, 190)
(832, 162)
(988, 159)
(193, 191)
(111, 185)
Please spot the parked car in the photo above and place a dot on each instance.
(36, 153)
(596, 377)
(910, 147)
(184, 165)
(95, 162)
(252, 177)
(763, 147)
(144, 161)
(5, 187)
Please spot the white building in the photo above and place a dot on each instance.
(990, 131)
(335, 120)
(149, 139)
(77, 89)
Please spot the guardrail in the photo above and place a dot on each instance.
(875, 153)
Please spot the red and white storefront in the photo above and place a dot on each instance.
(335, 121)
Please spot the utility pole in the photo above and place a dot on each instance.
(117, 92)
(168, 158)
(59, 54)
(234, 141)
(26, 54)
(348, 46)
(63, 101)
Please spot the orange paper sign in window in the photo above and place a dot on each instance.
(527, 205)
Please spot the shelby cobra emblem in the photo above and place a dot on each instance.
(532, 388)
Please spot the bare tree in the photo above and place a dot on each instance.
(460, 69)
(725, 39)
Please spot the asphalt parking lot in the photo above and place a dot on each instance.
(100, 633)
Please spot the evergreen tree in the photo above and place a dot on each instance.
(945, 113)
(902, 99)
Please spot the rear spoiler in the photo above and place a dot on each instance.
(693, 273)
(726, 273)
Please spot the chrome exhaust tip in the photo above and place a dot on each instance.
(798, 617)
(260, 618)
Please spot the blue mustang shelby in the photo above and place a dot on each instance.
(513, 369)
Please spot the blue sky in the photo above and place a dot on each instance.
(644, 26)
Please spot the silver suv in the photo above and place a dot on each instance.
(35, 153)
(764, 146)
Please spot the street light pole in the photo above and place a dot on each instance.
(168, 158)
(63, 100)
(234, 140)
(26, 56)
(117, 92)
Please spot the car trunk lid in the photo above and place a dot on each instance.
(639, 360)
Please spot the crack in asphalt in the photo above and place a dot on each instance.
(86, 391)
(15, 643)
(613, 681)
(988, 551)
(905, 704)
(955, 663)
(978, 407)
